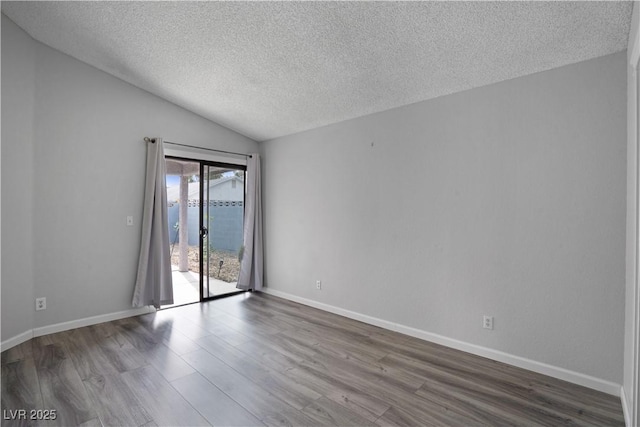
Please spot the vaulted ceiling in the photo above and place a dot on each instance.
(268, 69)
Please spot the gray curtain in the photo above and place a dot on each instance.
(153, 282)
(250, 276)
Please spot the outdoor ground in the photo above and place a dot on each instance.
(230, 266)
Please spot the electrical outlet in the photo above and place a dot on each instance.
(318, 284)
(487, 322)
(41, 304)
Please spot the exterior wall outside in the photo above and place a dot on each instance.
(218, 191)
(227, 225)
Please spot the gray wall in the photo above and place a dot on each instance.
(506, 200)
(633, 82)
(18, 77)
(83, 175)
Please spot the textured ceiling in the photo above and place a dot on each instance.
(267, 69)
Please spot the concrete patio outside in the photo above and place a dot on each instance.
(186, 287)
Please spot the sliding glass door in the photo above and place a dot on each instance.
(206, 218)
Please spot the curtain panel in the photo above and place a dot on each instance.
(251, 267)
(153, 282)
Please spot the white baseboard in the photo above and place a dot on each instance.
(73, 324)
(17, 340)
(521, 362)
(625, 408)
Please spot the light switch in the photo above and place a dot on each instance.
(129, 220)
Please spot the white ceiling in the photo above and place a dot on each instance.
(267, 69)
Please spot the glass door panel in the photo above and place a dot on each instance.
(222, 219)
(183, 189)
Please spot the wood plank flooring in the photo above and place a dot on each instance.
(254, 359)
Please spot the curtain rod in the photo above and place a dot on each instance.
(153, 141)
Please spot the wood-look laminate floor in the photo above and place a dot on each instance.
(254, 359)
